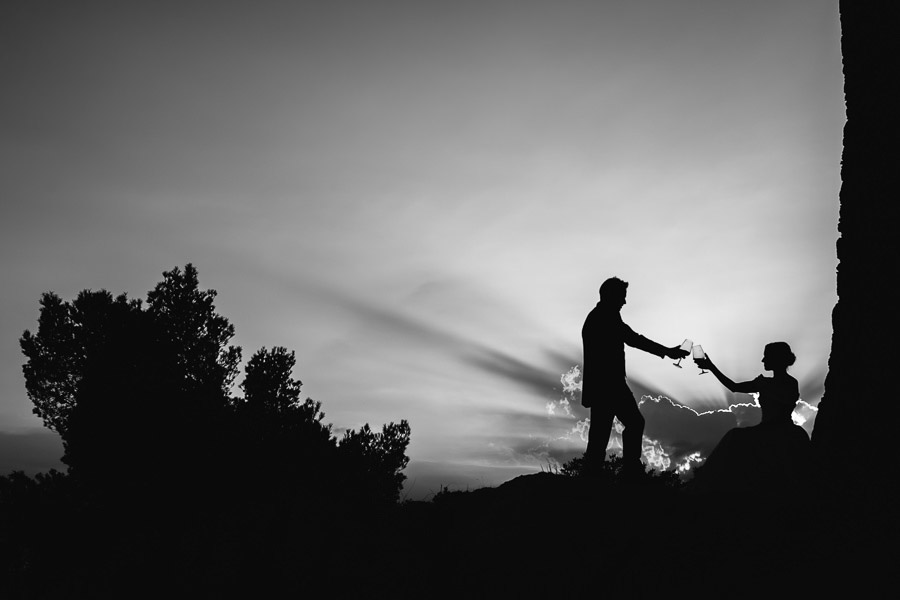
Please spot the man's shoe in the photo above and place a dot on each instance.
(634, 472)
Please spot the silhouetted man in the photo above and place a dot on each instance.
(604, 388)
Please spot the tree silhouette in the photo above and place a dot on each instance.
(74, 338)
(129, 388)
(185, 318)
(140, 395)
(272, 398)
(69, 339)
(281, 446)
(268, 381)
(378, 459)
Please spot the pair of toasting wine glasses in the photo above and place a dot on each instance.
(696, 352)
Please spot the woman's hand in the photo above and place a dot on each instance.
(704, 363)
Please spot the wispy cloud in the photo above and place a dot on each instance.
(539, 380)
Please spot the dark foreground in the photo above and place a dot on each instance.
(535, 536)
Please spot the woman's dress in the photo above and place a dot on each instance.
(770, 456)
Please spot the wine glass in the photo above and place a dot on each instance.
(685, 345)
(698, 352)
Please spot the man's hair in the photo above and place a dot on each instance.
(613, 287)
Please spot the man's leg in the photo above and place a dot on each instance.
(598, 435)
(632, 436)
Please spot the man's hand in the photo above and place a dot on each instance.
(676, 352)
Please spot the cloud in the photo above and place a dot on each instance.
(539, 380)
(812, 385)
(655, 456)
(683, 430)
(398, 324)
(804, 415)
(689, 462)
(438, 332)
(563, 404)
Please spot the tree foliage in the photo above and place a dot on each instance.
(142, 392)
(71, 338)
(98, 340)
(186, 320)
(272, 397)
(268, 381)
(126, 385)
(379, 457)
(282, 443)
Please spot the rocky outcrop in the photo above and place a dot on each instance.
(858, 413)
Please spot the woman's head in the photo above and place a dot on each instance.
(778, 355)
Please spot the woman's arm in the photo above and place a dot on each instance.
(744, 386)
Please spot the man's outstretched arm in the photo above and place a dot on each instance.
(635, 340)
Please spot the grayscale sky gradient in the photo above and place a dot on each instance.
(422, 198)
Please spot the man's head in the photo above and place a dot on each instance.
(613, 291)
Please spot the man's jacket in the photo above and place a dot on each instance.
(604, 336)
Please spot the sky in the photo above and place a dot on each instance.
(421, 200)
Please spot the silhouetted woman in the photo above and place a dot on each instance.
(772, 453)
